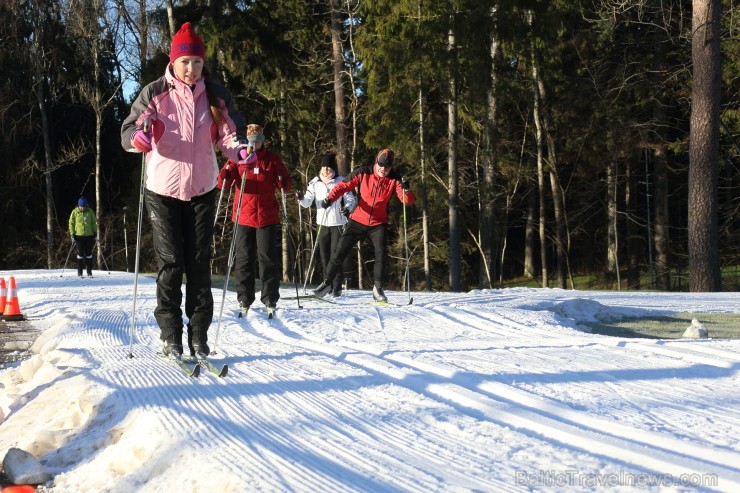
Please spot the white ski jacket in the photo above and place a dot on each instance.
(316, 191)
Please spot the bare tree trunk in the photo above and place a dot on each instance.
(704, 268)
(661, 227)
(454, 227)
(98, 108)
(660, 173)
(353, 109)
(423, 192)
(633, 238)
(529, 235)
(487, 184)
(612, 231)
(423, 185)
(558, 201)
(144, 41)
(546, 131)
(39, 67)
(353, 97)
(170, 17)
(340, 103)
(286, 229)
(540, 142)
(542, 194)
(41, 97)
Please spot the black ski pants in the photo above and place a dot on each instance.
(182, 233)
(260, 245)
(353, 233)
(85, 246)
(328, 241)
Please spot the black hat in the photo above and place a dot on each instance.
(330, 161)
(385, 158)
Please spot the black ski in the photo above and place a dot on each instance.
(270, 311)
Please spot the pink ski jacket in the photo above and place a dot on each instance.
(182, 163)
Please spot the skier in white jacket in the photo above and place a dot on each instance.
(330, 221)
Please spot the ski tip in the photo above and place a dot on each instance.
(224, 371)
(196, 372)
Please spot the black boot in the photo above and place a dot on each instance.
(172, 346)
(198, 342)
(379, 295)
(172, 339)
(322, 290)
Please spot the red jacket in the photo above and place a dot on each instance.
(375, 193)
(260, 206)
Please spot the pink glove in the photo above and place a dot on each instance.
(142, 141)
(245, 153)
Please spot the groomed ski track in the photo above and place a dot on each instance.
(482, 391)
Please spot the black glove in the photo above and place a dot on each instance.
(405, 184)
(345, 212)
(326, 203)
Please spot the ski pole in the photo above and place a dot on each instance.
(230, 262)
(218, 206)
(316, 241)
(299, 253)
(313, 250)
(215, 221)
(228, 201)
(138, 247)
(285, 215)
(406, 248)
(68, 254)
(102, 256)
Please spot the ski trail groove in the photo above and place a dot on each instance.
(555, 422)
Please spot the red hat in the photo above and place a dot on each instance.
(187, 43)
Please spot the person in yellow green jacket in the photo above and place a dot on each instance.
(83, 228)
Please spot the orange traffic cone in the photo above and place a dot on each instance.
(12, 311)
(3, 295)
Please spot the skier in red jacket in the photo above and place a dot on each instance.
(258, 220)
(376, 183)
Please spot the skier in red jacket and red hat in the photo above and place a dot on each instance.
(258, 221)
(377, 184)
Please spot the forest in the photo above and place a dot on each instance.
(544, 139)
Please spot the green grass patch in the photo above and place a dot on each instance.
(719, 325)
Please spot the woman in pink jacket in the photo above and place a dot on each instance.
(176, 120)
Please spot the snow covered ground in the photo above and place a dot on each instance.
(487, 391)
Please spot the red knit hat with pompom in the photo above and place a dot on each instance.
(187, 43)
